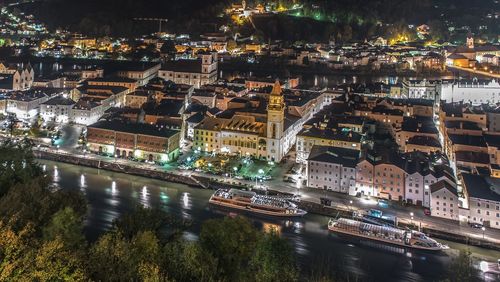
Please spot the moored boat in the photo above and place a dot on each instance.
(255, 203)
(385, 234)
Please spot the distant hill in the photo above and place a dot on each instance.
(340, 17)
(115, 17)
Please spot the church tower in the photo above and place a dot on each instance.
(470, 41)
(275, 122)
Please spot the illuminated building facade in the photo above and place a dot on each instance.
(133, 140)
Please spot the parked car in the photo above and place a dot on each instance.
(476, 225)
(383, 203)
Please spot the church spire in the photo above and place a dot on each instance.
(277, 88)
(276, 101)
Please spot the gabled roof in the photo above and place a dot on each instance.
(481, 187)
(443, 184)
(189, 66)
(134, 128)
(334, 155)
(169, 108)
(60, 100)
(456, 57)
(468, 140)
(118, 79)
(196, 118)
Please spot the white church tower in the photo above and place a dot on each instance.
(275, 123)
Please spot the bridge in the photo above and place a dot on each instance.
(475, 71)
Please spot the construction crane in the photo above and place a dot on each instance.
(159, 20)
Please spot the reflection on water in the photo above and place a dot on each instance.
(56, 175)
(271, 227)
(114, 192)
(83, 184)
(111, 194)
(145, 197)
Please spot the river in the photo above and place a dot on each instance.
(111, 194)
(54, 66)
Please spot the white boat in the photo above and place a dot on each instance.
(254, 203)
(385, 234)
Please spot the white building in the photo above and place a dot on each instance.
(86, 112)
(444, 200)
(483, 195)
(421, 89)
(197, 72)
(142, 72)
(57, 109)
(92, 73)
(16, 78)
(332, 169)
(419, 179)
(475, 91)
(26, 104)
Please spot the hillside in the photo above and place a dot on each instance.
(356, 19)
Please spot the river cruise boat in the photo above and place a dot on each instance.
(385, 234)
(254, 203)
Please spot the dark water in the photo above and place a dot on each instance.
(321, 81)
(111, 194)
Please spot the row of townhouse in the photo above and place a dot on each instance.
(471, 137)
(410, 177)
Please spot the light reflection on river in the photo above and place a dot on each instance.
(111, 194)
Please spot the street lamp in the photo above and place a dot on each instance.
(261, 171)
(483, 228)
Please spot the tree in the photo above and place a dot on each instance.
(65, 226)
(187, 261)
(231, 242)
(19, 165)
(25, 258)
(34, 202)
(55, 261)
(274, 260)
(25, 203)
(115, 258)
(13, 246)
(462, 268)
(145, 219)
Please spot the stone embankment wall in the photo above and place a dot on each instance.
(119, 167)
